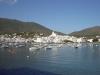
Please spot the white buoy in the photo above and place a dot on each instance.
(27, 57)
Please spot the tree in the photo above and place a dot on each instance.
(95, 40)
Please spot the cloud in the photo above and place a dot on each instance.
(9, 1)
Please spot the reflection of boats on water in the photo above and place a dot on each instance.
(0, 44)
(75, 45)
(11, 44)
(12, 51)
(45, 46)
(80, 45)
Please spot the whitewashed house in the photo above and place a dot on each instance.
(39, 40)
(90, 40)
(79, 40)
(99, 40)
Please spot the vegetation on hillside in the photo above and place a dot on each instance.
(26, 29)
(88, 32)
(9, 26)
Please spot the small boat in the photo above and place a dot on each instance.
(33, 48)
(27, 56)
(36, 47)
(4, 46)
(51, 46)
(20, 45)
(76, 46)
(48, 48)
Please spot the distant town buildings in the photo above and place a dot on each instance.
(53, 38)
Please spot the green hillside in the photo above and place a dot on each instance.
(16, 26)
(88, 32)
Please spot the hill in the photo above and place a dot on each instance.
(88, 32)
(12, 26)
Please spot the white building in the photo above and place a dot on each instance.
(99, 40)
(79, 40)
(38, 40)
(90, 40)
(55, 38)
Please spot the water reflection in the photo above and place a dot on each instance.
(12, 51)
(84, 60)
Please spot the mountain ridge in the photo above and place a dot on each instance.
(87, 32)
(5, 25)
(16, 26)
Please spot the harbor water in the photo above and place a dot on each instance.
(64, 60)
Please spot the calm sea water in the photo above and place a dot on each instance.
(66, 60)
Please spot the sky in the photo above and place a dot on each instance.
(60, 15)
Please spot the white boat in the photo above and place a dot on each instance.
(33, 48)
(48, 47)
(36, 47)
(53, 46)
(4, 46)
(77, 45)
